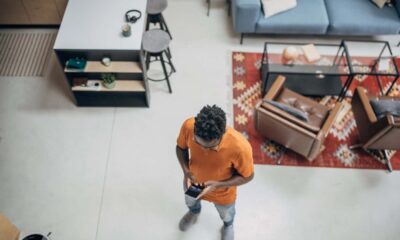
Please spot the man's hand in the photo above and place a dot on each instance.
(189, 178)
(209, 187)
(236, 180)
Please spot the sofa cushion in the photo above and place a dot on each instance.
(308, 17)
(361, 17)
(245, 14)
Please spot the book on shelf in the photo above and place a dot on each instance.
(90, 85)
(79, 81)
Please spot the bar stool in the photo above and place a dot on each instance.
(155, 43)
(154, 14)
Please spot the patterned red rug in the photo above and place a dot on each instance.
(246, 93)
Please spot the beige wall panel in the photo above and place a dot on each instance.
(42, 11)
(13, 12)
(61, 5)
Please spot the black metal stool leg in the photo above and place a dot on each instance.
(166, 73)
(148, 23)
(147, 57)
(208, 7)
(170, 62)
(229, 7)
(162, 20)
(161, 24)
(168, 51)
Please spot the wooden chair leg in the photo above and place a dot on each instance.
(358, 145)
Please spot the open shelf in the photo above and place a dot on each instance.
(121, 86)
(115, 67)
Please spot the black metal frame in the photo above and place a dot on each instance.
(342, 54)
(373, 68)
(383, 154)
(387, 159)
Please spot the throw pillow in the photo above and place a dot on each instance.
(385, 107)
(272, 7)
(291, 110)
(381, 3)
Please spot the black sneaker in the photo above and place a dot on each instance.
(187, 221)
(227, 232)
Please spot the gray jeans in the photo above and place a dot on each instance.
(226, 212)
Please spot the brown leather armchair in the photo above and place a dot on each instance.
(377, 134)
(304, 137)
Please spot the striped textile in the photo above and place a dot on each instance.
(25, 53)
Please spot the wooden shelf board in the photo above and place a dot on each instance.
(115, 67)
(121, 86)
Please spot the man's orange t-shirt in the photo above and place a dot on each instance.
(234, 154)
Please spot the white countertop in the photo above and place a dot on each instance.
(97, 24)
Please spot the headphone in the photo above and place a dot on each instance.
(135, 17)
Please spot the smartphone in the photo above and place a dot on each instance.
(194, 190)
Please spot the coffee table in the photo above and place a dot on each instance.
(319, 78)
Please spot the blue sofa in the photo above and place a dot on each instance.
(317, 17)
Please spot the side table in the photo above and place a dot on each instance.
(379, 63)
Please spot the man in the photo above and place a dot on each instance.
(217, 157)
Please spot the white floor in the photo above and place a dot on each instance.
(111, 173)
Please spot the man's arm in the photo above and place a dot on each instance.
(183, 158)
(235, 180)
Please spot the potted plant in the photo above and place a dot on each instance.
(108, 80)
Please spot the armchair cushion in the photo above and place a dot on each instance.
(385, 107)
(298, 113)
(316, 113)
